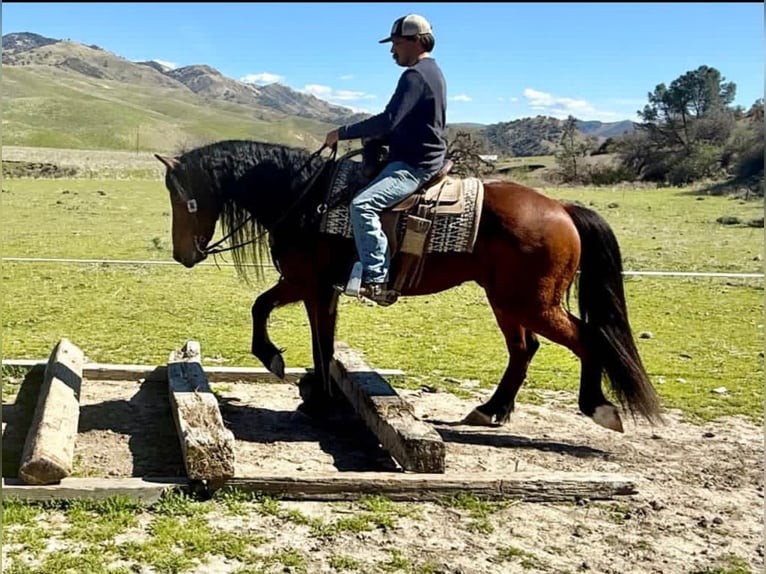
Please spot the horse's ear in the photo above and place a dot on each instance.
(170, 162)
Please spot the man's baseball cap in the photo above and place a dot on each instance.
(410, 25)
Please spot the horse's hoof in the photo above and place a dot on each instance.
(477, 418)
(608, 417)
(277, 366)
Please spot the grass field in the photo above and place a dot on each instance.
(706, 332)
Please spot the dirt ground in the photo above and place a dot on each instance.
(699, 504)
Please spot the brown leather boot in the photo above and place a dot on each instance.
(379, 293)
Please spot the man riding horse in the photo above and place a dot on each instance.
(412, 124)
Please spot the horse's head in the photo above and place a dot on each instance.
(258, 191)
(193, 218)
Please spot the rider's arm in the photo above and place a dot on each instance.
(408, 91)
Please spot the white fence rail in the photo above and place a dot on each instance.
(224, 264)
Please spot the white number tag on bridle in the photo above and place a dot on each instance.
(191, 205)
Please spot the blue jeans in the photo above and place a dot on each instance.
(392, 185)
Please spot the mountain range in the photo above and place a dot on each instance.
(61, 93)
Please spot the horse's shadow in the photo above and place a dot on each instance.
(148, 422)
(468, 435)
(17, 417)
(342, 435)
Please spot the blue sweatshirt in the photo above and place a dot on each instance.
(413, 120)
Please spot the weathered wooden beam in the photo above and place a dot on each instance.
(49, 448)
(413, 443)
(528, 486)
(525, 486)
(207, 445)
(215, 374)
(71, 488)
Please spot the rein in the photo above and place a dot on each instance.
(215, 248)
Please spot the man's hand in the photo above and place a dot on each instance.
(331, 140)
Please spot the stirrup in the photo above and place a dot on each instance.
(351, 288)
(379, 293)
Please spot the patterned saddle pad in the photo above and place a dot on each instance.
(451, 231)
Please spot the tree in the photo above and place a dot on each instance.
(465, 153)
(572, 148)
(671, 112)
(745, 149)
(686, 129)
(755, 113)
(635, 151)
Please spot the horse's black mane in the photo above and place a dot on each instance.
(244, 178)
(232, 160)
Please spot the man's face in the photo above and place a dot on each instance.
(404, 51)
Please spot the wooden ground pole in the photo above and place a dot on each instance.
(49, 448)
(207, 445)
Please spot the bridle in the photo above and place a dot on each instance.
(215, 248)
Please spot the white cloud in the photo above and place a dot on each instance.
(358, 110)
(461, 98)
(335, 96)
(317, 90)
(347, 95)
(514, 100)
(262, 79)
(165, 63)
(346, 77)
(562, 107)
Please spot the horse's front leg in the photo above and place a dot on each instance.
(282, 293)
(316, 388)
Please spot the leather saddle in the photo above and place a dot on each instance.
(442, 194)
(441, 215)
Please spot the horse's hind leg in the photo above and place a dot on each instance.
(522, 345)
(563, 328)
(592, 401)
(282, 293)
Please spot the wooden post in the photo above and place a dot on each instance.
(413, 443)
(49, 449)
(207, 445)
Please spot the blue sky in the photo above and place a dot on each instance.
(502, 61)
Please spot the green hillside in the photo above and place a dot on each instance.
(45, 106)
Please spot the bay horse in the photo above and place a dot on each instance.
(527, 254)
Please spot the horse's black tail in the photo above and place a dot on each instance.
(601, 300)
